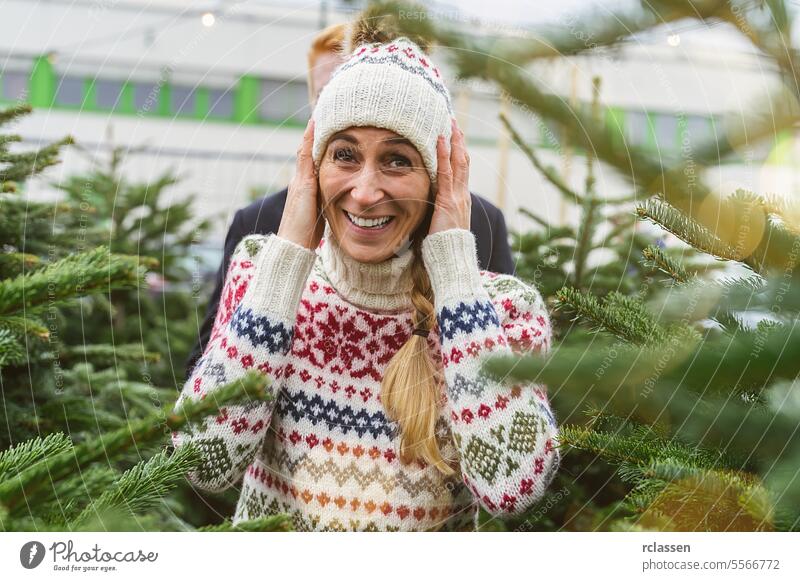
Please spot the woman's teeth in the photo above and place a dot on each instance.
(368, 222)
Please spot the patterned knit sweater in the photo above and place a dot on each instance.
(324, 327)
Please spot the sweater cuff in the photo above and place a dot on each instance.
(451, 260)
(280, 277)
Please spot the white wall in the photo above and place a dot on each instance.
(222, 161)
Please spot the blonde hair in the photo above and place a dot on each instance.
(410, 389)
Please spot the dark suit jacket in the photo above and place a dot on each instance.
(264, 216)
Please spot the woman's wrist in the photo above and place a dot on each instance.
(302, 239)
(281, 270)
(451, 259)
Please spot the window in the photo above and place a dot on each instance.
(182, 100)
(69, 91)
(284, 101)
(107, 93)
(145, 97)
(14, 85)
(220, 103)
(637, 128)
(694, 131)
(666, 126)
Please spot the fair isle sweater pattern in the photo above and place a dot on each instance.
(323, 450)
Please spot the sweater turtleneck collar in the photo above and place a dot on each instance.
(382, 287)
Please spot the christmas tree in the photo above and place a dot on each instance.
(676, 394)
(140, 218)
(94, 478)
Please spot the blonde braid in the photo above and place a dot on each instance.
(410, 387)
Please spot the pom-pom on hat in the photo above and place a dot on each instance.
(388, 83)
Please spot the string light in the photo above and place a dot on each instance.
(674, 39)
(208, 19)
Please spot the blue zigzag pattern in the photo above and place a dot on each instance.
(466, 318)
(315, 409)
(261, 331)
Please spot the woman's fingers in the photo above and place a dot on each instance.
(301, 220)
(305, 163)
(459, 158)
(444, 172)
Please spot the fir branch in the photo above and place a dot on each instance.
(104, 355)
(605, 29)
(15, 112)
(548, 172)
(74, 494)
(695, 499)
(77, 275)
(762, 242)
(26, 486)
(621, 316)
(640, 448)
(656, 259)
(742, 284)
(473, 59)
(587, 32)
(21, 166)
(730, 321)
(28, 453)
(24, 326)
(14, 263)
(145, 484)
(693, 233)
(583, 243)
(12, 352)
(554, 231)
(493, 60)
(626, 223)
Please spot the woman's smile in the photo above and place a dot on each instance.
(372, 226)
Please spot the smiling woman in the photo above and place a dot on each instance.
(370, 315)
(375, 191)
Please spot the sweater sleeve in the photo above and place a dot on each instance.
(506, 435)
(253, 329)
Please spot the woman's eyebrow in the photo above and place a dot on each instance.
(397, 141)
(344, 136)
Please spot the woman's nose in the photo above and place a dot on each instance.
(367, 188)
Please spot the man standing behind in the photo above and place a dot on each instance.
(264, 216)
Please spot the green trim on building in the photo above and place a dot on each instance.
(246, 100)
(42, 83)
(126, 103)
(164, 97)
(615, 125)
(201, 103)
(89, 102)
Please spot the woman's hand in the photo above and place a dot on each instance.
(453, 201)
(302, 221)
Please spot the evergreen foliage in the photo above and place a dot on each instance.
(679, 407)
(83, 445)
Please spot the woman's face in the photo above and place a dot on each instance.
(374, 189)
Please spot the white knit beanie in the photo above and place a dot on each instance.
(392, 85)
